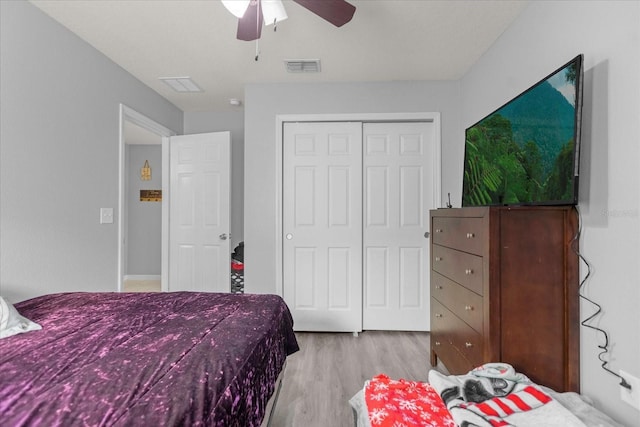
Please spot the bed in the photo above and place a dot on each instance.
(156, 359)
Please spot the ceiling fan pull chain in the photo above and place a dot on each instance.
(258, 24)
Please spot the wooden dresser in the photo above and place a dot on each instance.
(504, 288)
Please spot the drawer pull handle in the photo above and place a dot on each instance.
(438, 258)
(438, 315)
(468, 344)
(437, 342)
(470, 235)
(468, 307)
(438, 287)
(438, 230)
(468, 272)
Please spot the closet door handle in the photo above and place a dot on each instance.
(223, 236)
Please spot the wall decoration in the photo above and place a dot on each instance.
(145, 172)
(150, 195)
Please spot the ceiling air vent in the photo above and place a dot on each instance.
(181, 84)
(302, 65)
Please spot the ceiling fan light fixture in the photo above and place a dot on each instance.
(253, 14)
(273, 11)
(236, 7)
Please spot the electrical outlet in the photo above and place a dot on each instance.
(106, 215)
(632, 397)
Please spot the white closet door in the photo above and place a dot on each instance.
(322, 231)
(398, 193)
(199, 212)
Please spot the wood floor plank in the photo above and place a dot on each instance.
(331, 367)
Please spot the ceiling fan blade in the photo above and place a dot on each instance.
(250, 25)
(338, 12)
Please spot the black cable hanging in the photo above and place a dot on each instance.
(604, 347)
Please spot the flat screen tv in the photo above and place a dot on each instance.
(527, 151)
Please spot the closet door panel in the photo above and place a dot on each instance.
(377, 273)
(339, 197)
(322, 225)
(377, 196)
(338, 280)
(304, 212)
(411, 202)
(304, 275)
(397, 199)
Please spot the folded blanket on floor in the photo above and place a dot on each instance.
(494, 395)
(399, 403)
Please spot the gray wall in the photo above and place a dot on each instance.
(265, 102)
(202, 122)
(144, 225)
(544, 37)
(59, 144)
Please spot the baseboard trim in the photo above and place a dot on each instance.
(142, 277)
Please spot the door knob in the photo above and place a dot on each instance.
(223, 236)
(289, 236)
(426, 235)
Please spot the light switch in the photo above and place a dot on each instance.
(106, 215)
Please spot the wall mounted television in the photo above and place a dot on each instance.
(527, 152)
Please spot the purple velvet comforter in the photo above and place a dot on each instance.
(153, 359)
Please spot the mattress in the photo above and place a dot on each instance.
(163, 359)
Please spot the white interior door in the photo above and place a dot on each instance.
(322, 233)
(199, 212)
(398, 193)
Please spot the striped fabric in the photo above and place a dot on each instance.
(494, 410)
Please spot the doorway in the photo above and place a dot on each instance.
(135, 126)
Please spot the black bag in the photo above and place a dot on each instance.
(238, 252)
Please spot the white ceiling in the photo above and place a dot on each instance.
(387, 40)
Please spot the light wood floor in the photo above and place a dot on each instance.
(141, 286)
(331, 367)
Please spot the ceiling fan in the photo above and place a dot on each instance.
(253, 13)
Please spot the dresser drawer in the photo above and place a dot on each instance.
(464, 303)
(460, 267)
(452, 359)
(460, 335)
(465, 234)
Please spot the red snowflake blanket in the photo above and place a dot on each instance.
(399, 403)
